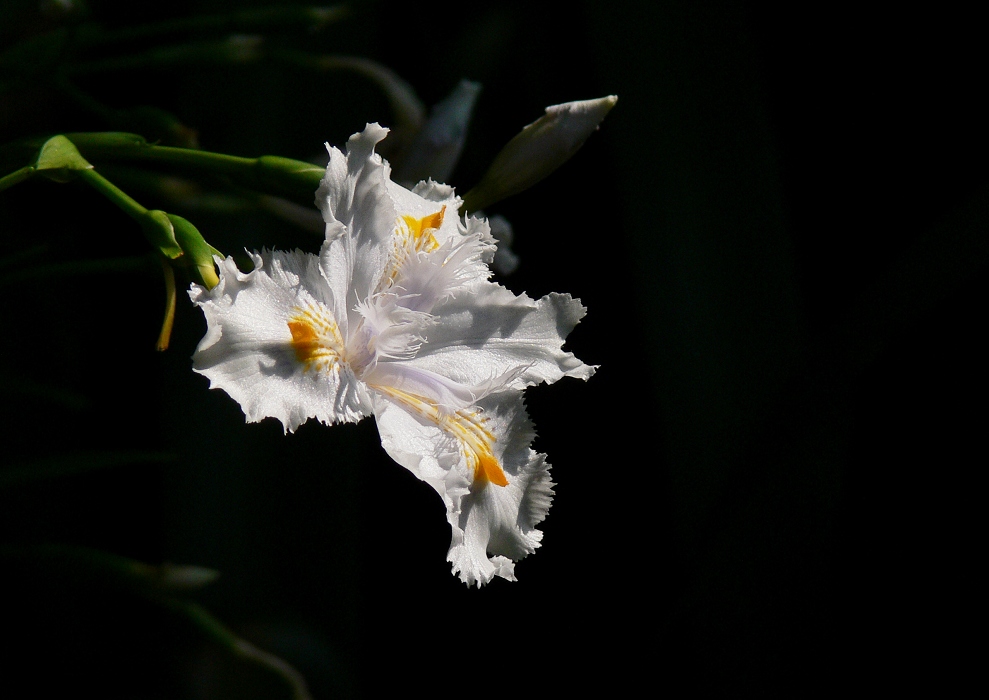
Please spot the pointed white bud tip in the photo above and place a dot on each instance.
(573, 122)
(539, 149)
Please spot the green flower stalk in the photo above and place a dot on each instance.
(177, 239)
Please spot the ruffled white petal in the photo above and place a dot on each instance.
(428, 279)
(492, 331)
(492, 525)
(360, 220)
(248, 352)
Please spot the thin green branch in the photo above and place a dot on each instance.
(154, 122)
(16, 177)
(170, 296)
(59, 159)
(18, 257)
(76, 463)
(218, 633)
(124, 201)
(155, 224)
(313, 18)
(80, 566)
(286, 177)
(123, 264)
(235, 50)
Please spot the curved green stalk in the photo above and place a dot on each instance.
(218, 633)
(238, 22)
(286, 177)
(16, 177)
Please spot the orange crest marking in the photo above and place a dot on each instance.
(316, 339)
(476, 441)
(422, 230)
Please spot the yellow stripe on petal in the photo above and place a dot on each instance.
(469, 428)
(316, 338)
(476, 441)
(488, 469)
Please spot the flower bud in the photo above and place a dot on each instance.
(539, 149)
(505, 260)
(435, 149)
(197, 252)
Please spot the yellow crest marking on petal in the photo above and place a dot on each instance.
(316, 338)
(422, 229)
(412, 236)
(476, 441)
(488, 469)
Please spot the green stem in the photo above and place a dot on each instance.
(286, 177)
(215, 630)
(407, 109)
(156, 124)
(19, 257)
(155, 224)
(187, 157)
(236, 50)
(16, 177)
(120, 265)
(116, 195)
(260, 19)
(76, 463)
(170, 295)
(294, 179)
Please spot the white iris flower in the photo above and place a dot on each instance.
(396, 316)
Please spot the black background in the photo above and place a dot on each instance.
(771, 483)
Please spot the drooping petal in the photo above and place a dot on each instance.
(273, 345)
(492, 331)
(422, 447)
(478, 458)
(496, 526)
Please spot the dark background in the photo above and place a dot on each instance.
(771, 483)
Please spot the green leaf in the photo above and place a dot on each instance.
(59, 159)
